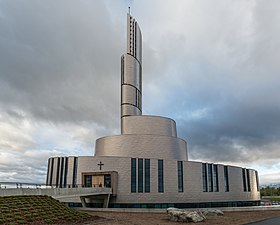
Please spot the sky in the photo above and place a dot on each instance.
(213, 66)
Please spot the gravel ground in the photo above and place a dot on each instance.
(230, 218)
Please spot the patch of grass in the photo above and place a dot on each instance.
(272, 199)
(37, 209)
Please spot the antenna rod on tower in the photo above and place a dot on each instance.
(129, 10)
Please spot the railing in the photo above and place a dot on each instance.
(8, 185)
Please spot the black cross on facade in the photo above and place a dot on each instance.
(100, 165)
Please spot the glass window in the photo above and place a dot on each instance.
(51, 173)
(226, 179)
(107, 180)
(147, 175)
(244, 180)
(215, 178)
(210, 178)
(248, 180)
(48, 173)
(180, 176)
(140, 175)
(88, 181)
(204, 177)
(57, 172)
(74, 183)
(61, 172)
(133, 175)
(160, 176)
(66, 172)
(257, 180)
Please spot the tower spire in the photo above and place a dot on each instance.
(131, 73)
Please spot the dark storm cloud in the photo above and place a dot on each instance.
(52, 56)
(222, 85)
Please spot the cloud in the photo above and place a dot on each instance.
(212, 66)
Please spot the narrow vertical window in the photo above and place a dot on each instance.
(88, 180)
(48, 173)
(133, 175)
(136, 97)
(226, 179)
(215, 178)
(57, 171)
(51, 173)
(122, 70)
(180, 176)
(140, 175)
(160, 176)
(61, 172)
(257, 180)
(248, 180)
(66, 171)
(147, 175)
(75, 170)
(204, 177)
(244, 180)
(210, 178)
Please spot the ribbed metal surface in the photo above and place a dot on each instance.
(154, 125)
(131, 72)
(142, 146)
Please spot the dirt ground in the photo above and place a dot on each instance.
(229, 218)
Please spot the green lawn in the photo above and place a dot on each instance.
(27, 209)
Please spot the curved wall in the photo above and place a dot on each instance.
(142, 146)
(149, 125)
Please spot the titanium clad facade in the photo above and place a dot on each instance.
(134, 178)
(141, 145)
(131, 73)
(154, 125)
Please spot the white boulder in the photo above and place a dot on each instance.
(179, 215)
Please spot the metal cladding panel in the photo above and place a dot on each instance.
(138, 44)
(134, 38)
(149, 125)
(142, 146)
(54, 175)
(132, 71)
(69, 179)
(129, 94)
(130, 110)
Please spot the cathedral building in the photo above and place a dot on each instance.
(147, 165)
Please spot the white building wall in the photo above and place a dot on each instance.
(192, 179)
(70, 170)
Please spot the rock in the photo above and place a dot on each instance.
(211, 212)
(179, 215)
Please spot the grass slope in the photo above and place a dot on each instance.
(37, 209)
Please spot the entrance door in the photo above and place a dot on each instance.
(98, 181)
